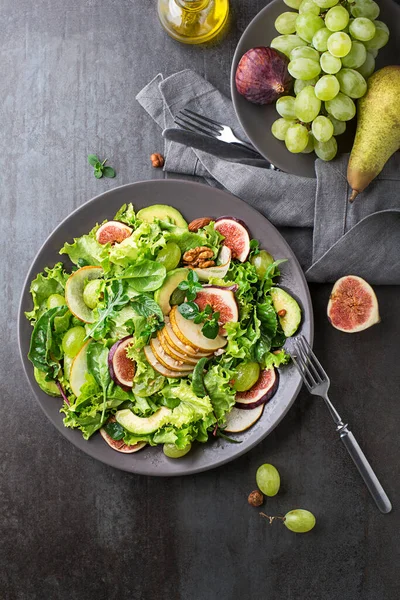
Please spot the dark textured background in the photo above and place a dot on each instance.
(74, 529)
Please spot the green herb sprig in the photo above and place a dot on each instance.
(100, 168)
(191, 285)
(190, 310)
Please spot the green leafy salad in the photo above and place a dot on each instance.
(161, 332)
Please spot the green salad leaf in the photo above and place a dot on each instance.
(186, 240)
(51, 281)
(86, 250)
(147, 381)
(217, 381)
(114, 299)
(97, 361)
(126, 214)
(144, 242)
(45, 349)
(145, 275)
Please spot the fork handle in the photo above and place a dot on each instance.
(372, 482)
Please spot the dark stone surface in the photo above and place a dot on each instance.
(74, 529)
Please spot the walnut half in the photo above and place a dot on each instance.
(201, 257)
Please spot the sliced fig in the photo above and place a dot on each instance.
(221, 300)
(353, 305)
(113, 232)
(220, 269)
(122, 369)
(119, 445)
(261, 392)
(240, 420)
(236, 236)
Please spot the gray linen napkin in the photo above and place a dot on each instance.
(330, 237)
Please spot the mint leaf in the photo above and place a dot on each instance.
(92, 160)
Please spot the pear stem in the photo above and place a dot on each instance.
(354, 195)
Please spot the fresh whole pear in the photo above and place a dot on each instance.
(378, 129)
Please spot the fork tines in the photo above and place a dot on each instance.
(307, 363)
(187, 119)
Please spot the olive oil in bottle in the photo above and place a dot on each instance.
(193, 21)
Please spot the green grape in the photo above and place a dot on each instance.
(336, 18)
(309, 6)
(368, 67)
(169, 256)
(307, 105)
(322, 129)
(293, 3)
(330, 64)
(286, 43)
(296, 139)
(365, 8)
(362, 29)
(91, 293)
(172, 451)
(304, 52)
(372, 51)
(356, 57)
(327, 88)
(55, 300)
(263, 259)
(299, 520)
(286, 23)
(320, 39)
(304, 68)
(285, 107)
(310, 144)
(280, 127)
(326, 150)
(246, 375)
(380, 38)
(307, 25)
(339, 127)
(339, 44)
(341, 107)
(268, 479)
(73, 341)
(326, 3)
(300, 84)
(351, 83)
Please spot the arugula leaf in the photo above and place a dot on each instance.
(41, 350)
(97, 361)
(145, 276)
(114, 299)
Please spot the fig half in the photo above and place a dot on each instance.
(221, 300)
(119, 445)
(353, 305)
(261, 392)
(236, 236)
(122, 369)
(113, 232)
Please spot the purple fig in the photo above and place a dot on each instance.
(113, 232)
(352, 305)
(122, 369)
(261, 392)
(236, 236)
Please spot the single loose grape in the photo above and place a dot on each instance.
(307, 105)
(336, 18)
(55, 300)
(322, 128)
(246, 375)
(299, 520)
(356, 57)
(365, 8)
(263, 259)
(368, 66)
(304, 52)
(320, 39)
(307, 25)
(326, 150)
(327, 87)
(309, 6)
(380, 38)
(293, 3)
(268, 479)
(339, 127)
(304, 68)
(169, 256)
(310, 144)
(326, 3)
(362, 29)
(286, 23)
(352, 83)
(285, 107)
(296, 139)
(300, 84)
(339, 44)
(73, 340)
(341, 107)
(172, 451)
(280, 127)
(91, 293)
(286, 43)
(330, 64)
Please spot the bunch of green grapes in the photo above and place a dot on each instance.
(332, 46)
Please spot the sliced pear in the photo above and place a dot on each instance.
(166, 360)
(79, 368)
(74, 292)
(184, 358)
(240, 420)
(178, 345)
(190, 333)
(157, 366)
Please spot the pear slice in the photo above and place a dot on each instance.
(166, 360)
(190, 333)
(74, 292)
(180, 356)
(178, 345)
(157, 366)
(239, 420)
(79, 368)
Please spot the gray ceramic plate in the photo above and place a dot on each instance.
(193, 200)
(257, 120)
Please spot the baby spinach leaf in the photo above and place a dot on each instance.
(115, 430)
(41, 350)
(198, 378)
(145, 276)
(145, 306)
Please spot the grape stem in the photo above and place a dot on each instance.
(270, 519)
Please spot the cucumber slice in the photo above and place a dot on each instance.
(162, 212)
(291, 318)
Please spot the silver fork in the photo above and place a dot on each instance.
(192, 121)
(317, 383)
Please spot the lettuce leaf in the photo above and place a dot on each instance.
(244, 274)
(242, 340)
(147, 381)
(86, 250)
(217, 381)
(275, 359)
(144, 242)
(186, 240)
(126, 214)
(50, 281)
(190, 408)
